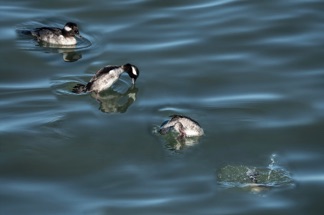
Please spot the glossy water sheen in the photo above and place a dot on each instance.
(250, 72)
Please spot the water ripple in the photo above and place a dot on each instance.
(251, 72)
(242, 98)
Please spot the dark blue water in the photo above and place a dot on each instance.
(250, 72)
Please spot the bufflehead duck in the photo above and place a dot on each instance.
(183, 125)
(64, 36)
(106, 77)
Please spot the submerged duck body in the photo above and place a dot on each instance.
(183, 125)
(57, 36)
(106, 77)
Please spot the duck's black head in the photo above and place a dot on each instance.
(71, 29)
(132, 71)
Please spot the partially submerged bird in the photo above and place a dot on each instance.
(57, 36)
(185, 126)
(106, 77)
(253, 175)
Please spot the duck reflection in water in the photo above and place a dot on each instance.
(69, 53)
(116, 102)
(176, 143)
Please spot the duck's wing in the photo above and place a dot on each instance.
(99, 73)
(177, 117)
(46, 30)
(103, 71)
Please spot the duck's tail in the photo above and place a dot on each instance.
(25, 32)
(79, 88)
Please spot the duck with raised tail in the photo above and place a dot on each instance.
(185, 126)
(106, 77)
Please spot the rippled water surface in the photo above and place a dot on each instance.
(250, 72)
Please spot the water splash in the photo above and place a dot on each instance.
(255, 179)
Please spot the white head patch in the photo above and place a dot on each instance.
(134, 71)
(67, 28)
